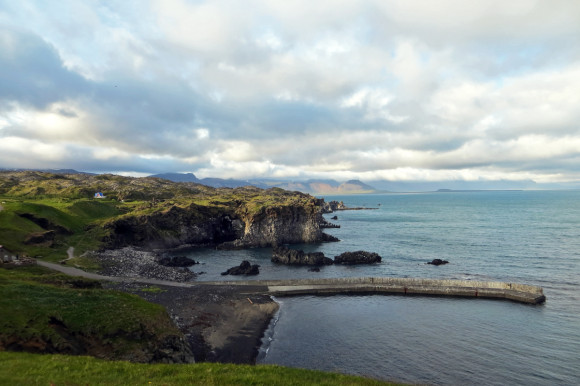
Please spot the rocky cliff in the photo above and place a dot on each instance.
(243, 226)
(155, 213)
(277, 225)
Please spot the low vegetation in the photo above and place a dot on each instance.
(44, 311)
(44, 214)
(29, 369)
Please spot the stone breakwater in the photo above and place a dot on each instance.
(522, 293)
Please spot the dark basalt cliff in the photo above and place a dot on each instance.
(228, 228)
(176, 226)
(280, 225)
(156, 213)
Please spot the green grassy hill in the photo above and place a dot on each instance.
(31, 369)
(44, 311)
(44, 214)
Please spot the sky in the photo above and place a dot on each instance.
(446, 90)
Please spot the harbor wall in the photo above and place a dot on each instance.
(406, 286)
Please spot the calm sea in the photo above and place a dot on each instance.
(530, 237)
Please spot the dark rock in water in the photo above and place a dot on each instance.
(314, 269)
(329, 238)
(334, 218)
(358, 257)
(438, 262)
(288, 256)
(177, 261)
(243, 269)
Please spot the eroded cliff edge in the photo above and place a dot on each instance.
(110, 212)
(286, 218)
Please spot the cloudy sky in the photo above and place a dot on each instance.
(397, 90)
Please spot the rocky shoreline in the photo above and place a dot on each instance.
(219, 323)
(134, 262)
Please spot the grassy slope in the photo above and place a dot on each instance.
(80, 217)
(29, 369)
(66, 202)
(33, 299)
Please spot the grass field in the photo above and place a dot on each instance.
(34, 369)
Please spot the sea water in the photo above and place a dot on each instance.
(530, 237)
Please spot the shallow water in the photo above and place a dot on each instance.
(527, 237)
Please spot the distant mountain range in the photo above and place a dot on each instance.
(213, 182)
(309, 186)
(330, 187)
(327, 187)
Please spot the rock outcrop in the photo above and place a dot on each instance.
(245, 268)
(358, 257)
(221, 227)
(177, 261)
(195, 224)
(331, 206)
(284, 255)
(276, 225)
(438, 262)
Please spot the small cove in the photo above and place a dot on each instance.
(525, 237)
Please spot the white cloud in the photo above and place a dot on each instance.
(356, 89)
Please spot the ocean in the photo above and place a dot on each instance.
(530, 237)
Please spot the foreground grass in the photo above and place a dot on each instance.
(34, 369)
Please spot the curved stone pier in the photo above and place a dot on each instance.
(377, 285)
(522, 293)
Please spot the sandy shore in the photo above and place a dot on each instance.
(221, 323)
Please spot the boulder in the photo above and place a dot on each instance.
(177, 261)
(243, 269)
(358, 257)
(438, 262)
(328, 238)
(284, 255)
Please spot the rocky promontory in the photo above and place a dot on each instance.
(284, 255)
(277, 218)
(358, 257)
(245, 268)
(115, 212)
